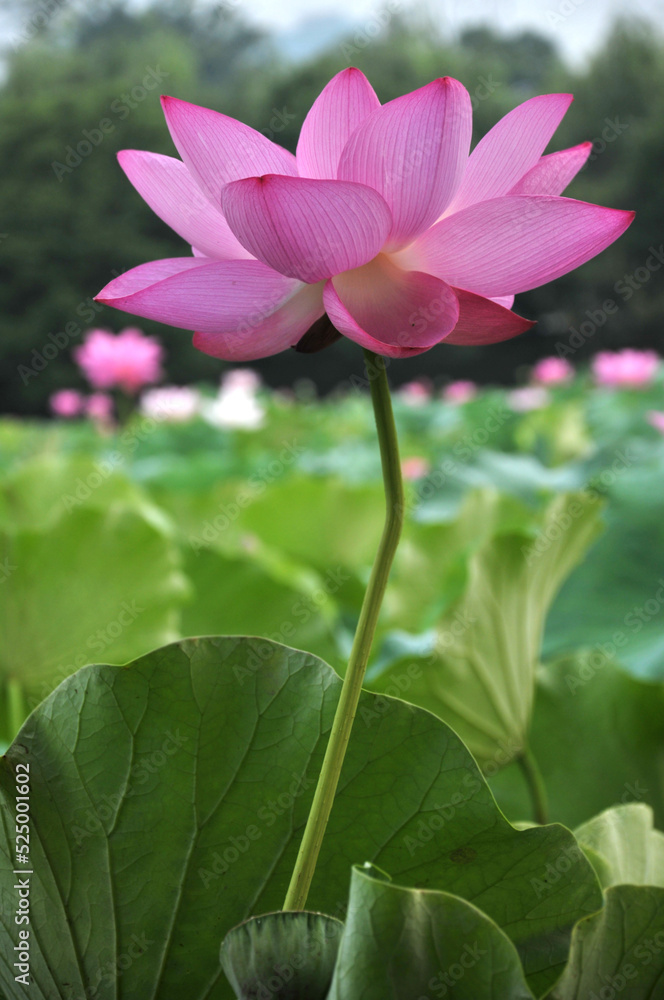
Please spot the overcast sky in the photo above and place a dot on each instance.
(577, 25)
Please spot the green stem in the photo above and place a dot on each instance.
(17, 710)
(328, 780)
(536, 786)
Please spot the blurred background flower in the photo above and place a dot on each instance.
(175, 403)
(551, 371)
(461, 391)
(416, 393)
(656, 420)
(625, 369)
(127, 360)
(415, 467)
(67, 403)
(529, 397)
(99, 407)
(236, 404)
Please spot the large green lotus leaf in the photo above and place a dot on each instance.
(168, 801)
(324, 522)
(320, 524)
(22, 440)
(286, 512)
(409, 943)
(615, 602)
(253, 593)
(480, 676)
(96, 583)
(43, 489)
(431, 567)
(618, 952)
(626, 840)
(559, 432)
(598, 737)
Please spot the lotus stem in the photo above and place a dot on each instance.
(342, 725)
(536, 786)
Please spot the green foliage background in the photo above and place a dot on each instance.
(66, 230)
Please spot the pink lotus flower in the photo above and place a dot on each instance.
(415, 393)
(67, 403)
(627, 369)
(99, 406)
(527, 398)
(552, 371)
(382, 222)
(415, 467)
(127, 361)
(461, 391)
(656, 419)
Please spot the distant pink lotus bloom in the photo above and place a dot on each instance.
(527, 398)
(656, 419)
(382, 222)
(461, 391)
(629, 369)
(415, 467)
(552, 371)
(67, 403)
(415, 393)
(127, 361)
(99, 406)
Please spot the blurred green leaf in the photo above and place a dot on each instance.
(615, 601)
(244, 595)
(627, 841)
(480, 675)
(597, 737)
(94, 584)
(38, 492)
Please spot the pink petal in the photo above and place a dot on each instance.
(218, 149)
(510, 149)
(341, 106)
(553, 172)
(482, 321)
(405, 309)
(147, 274)
(258, 336)
(344, 322)
(304, 228)
(414, 151)
(504, 300)
(170, 191)
(509, 245)
(201, 295)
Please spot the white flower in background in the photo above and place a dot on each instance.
(236, 404)
(530, 397)
(174, 403)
